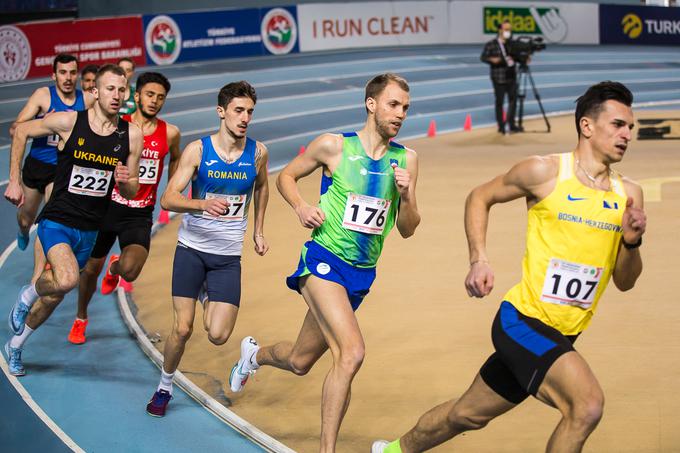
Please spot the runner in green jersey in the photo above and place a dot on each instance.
(368, 186)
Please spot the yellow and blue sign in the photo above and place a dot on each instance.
(621, 24)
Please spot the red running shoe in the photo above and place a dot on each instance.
(77, 335)
(158, 404)
(110, 282)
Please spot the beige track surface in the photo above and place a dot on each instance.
(425, 338)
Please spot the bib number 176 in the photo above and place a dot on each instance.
(365, 214)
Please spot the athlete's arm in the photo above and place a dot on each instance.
(37, 103)
(260, 198)
(174, 138)
(127, 175)
(405, 180)
(628, 265)
(58, 123)
(173, 200)
(323, 151)
(532, 178)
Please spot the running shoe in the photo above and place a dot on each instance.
(245, 366)
(18, 314)
(110, 282)
(158, 404)
(379, 446)
(16, 367)
(22, 240)
(77, 334)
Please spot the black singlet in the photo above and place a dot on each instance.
(84, 175)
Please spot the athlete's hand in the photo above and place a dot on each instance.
(261, 245)
(121, 174)
(634, 223)
(15, 193)
(310, 216)
(402, 178)
(479, 280)
(216, 206)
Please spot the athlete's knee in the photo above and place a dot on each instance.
(25, 221)
(351, 358)
(300, 365)
(129, 271)
(586, 414)
(461, 419)
(218, 338)
(65, 279)
(183, 331)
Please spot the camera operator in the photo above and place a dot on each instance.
(503, 75)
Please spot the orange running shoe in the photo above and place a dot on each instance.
(126, 285)
(110, 282)
(77, 334)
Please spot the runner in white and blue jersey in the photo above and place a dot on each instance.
(227, 171)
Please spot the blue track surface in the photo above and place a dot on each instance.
(96, 393)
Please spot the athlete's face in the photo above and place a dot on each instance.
(611, 131)
(128, 68)
(237, 115)
(150, 99)
(87, 81)
(65, 77)
(110, 91)
(389, 109)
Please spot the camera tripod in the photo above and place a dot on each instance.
(524, 76)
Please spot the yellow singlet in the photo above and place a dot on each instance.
(572, 243)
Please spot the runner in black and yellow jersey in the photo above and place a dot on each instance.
(585, 225)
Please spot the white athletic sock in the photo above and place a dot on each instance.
(166, 381)
(30, 295)
(18, 341)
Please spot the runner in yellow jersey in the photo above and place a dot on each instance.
(585, 225)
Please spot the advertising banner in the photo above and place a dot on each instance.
(623, 24)
(27, 50)
(557, 23)
(371, 24)
(209, 35)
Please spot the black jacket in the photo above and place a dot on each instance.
(500, 73)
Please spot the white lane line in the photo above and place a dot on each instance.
(21, 390)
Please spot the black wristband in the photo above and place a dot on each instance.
(632, 246)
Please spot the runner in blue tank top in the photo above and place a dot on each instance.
(39, 167)
(227, 170)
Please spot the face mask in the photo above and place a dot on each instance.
(507, 34)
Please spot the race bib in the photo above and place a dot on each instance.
(53, 140)
(235, 210)
(571, 283)
(365, 214)
(89, 181)
(148, 171)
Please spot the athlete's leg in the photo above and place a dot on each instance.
(39, 259)
(573, 389)
(28, 211)
(182, 327)
(131, 262)
(474, 410)
(330, 306)
(88, 284)
(220, 321)
(297, 358)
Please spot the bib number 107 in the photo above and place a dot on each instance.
(571, 283)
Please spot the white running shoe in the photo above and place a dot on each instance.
(245, 366)
(203, 294)
(379, 446)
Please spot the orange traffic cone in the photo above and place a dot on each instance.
(467, 126)
(302, 150)
(432, 129)
(164, 217)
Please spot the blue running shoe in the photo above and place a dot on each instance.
(158, 404)
(18, 313)
(16, 367)
(22, 240)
